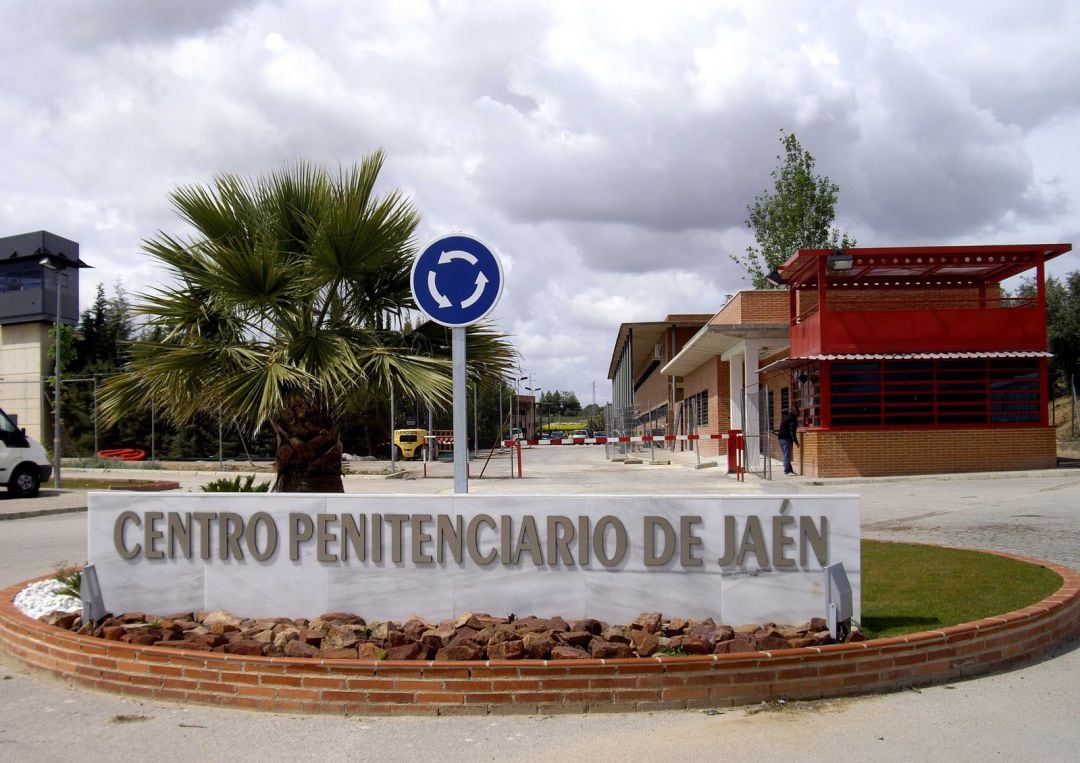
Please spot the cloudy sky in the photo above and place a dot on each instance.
(606, 150)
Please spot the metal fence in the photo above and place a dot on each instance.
(755, 404)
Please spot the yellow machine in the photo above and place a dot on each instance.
(410, 443)
(413, 443)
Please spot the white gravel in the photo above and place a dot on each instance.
(43, 597)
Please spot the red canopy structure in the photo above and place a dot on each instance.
(915, 299)
(914, 359)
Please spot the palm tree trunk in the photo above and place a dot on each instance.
(308, 450)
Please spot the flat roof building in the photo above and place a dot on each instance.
(899, 360)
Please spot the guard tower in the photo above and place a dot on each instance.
(33, 266)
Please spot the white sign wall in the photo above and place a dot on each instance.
(736, 559)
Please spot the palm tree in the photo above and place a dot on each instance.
(292, 298)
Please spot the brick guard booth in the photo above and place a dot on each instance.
(912, 360)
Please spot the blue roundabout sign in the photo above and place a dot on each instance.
(456, 280)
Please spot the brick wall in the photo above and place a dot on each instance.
(925, 451)
(712, 376)
(769, 306)
(544, 686)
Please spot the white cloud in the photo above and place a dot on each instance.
(607, 150)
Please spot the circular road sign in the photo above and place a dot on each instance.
(456, 280)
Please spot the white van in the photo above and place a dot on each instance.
(24, 464)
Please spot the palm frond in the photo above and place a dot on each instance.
(288, 294)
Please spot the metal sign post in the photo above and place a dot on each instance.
(461, 446)
(457, 280)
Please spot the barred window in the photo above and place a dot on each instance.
(934, 392)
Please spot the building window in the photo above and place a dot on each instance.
(944, 392)
(20, 280)
(807, 393)
(697, 409)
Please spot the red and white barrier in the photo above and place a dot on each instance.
(628, 439)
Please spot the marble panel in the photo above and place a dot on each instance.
(733, 558)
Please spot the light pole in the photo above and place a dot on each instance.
(56, 265)
(536, 407)
(514, 411)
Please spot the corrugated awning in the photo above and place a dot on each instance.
(918, 266)
(794, 361)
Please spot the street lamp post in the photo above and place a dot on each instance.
(514, 411)
(536, 407)
(54, 264)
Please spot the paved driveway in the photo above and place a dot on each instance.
(1022, 714)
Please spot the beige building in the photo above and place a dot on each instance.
(32, 267)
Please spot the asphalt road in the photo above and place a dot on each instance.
(1028, 713)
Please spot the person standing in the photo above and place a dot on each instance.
(788, 436)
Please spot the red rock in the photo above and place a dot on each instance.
(299, 648)
(648, 621)
(415, 628)
(112, 632)
(676, 626)
(145, 636)
(60, 619)
(180, 616)
(533, 624)
(817, 624)
(370, 651)
(466, 650)
(131, 617)
(705, 631)
(339, 618)
(590, 626)
(538, 646)
(174, 644)
(463, 635)
(567, 652)
(619, 634)
(506, 650)
(503, 634)
(574, 638)
(399, 638)
(431, 641)
(382, 631)
(409, 651)
(736, 645)
(246, 646)
(609, 650)
(346, 653)
(645, 642)
(771, 643)
(694, 645)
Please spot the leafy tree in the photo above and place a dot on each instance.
(797, 214)
(596, 418)
(1062, 327)
(289, 302)
(560, 402)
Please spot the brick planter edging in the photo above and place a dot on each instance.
(356, 687)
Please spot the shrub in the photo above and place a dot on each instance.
(70, 579)
(233, 485)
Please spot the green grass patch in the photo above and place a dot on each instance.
(908, 587)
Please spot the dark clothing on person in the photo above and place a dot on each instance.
(788, 436)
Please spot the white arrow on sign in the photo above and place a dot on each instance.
(447, 257)
(481, 282)
(442, 301)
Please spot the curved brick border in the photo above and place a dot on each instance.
(546, 686)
